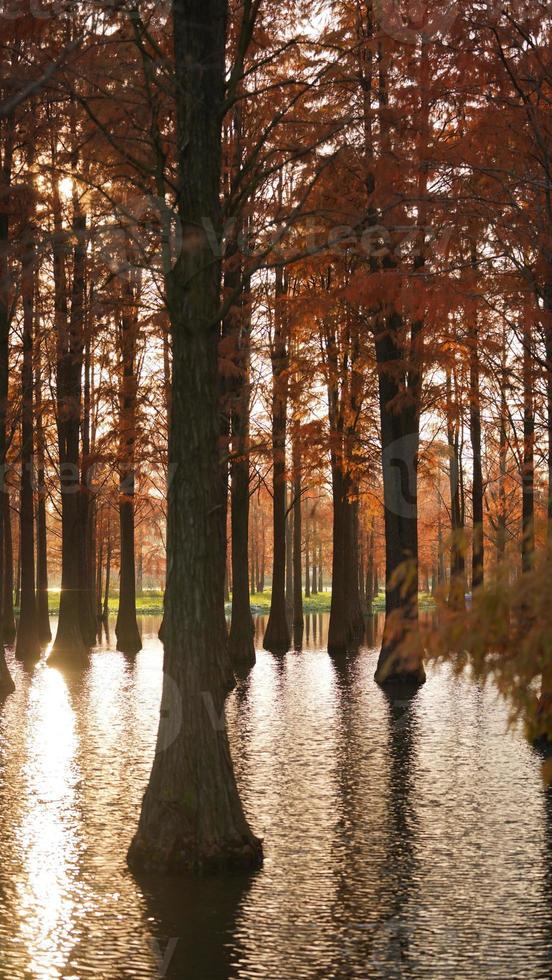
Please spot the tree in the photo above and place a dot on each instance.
(191, 816)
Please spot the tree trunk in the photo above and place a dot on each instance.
(43, 613)
(307, 552)
(338, 631)
(241, 642)
(86, 505)
(262, 556)
(400, 657)
(370, 577)
(9, 628)
(126, 628)
(298, 619)
(457, 559)
(191, 817)
(6, 682)
(501, 529)
(69, 645)
(277, 638)
(478, 545)
(528, 474)
(314, 585)
(27, 645)
(105, 613)
(289, 555)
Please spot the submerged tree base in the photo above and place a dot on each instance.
(129, 643)
(28, 648)
(176, 853)
(7, 685)
(400, 665)
(69, 652)
(401, 684)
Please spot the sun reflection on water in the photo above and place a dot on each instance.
(50, 840)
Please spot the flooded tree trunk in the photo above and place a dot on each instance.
(27, 645)
(457, 559)
(6, 149)
(307, 552)
(355, 618)
(9, 628)
(478, 543)
(400, 657)
(105, 613)
(298, 619)
(277, 636)
(346, 620)
(87, 612)
(44, 631)
(192, 818)
(99, 579)
(351, 454)
(69, 644)
(289, 554)
(338, 634)
(126, 628)
(241, 643)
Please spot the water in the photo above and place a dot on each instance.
(402, 840)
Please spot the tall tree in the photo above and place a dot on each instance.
(126, 628)
(191, 816)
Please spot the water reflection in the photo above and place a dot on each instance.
(402, 838)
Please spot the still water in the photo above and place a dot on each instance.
(401, 839)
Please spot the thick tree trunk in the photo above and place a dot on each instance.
(69, 644)
(191, 817)
(27, 645)
(400, 657)
(126, 627)
(9, 628)
(6, 682)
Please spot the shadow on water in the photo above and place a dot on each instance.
(193, 924)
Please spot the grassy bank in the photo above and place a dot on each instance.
(151, 603)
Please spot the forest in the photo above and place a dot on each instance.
(275, 445)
